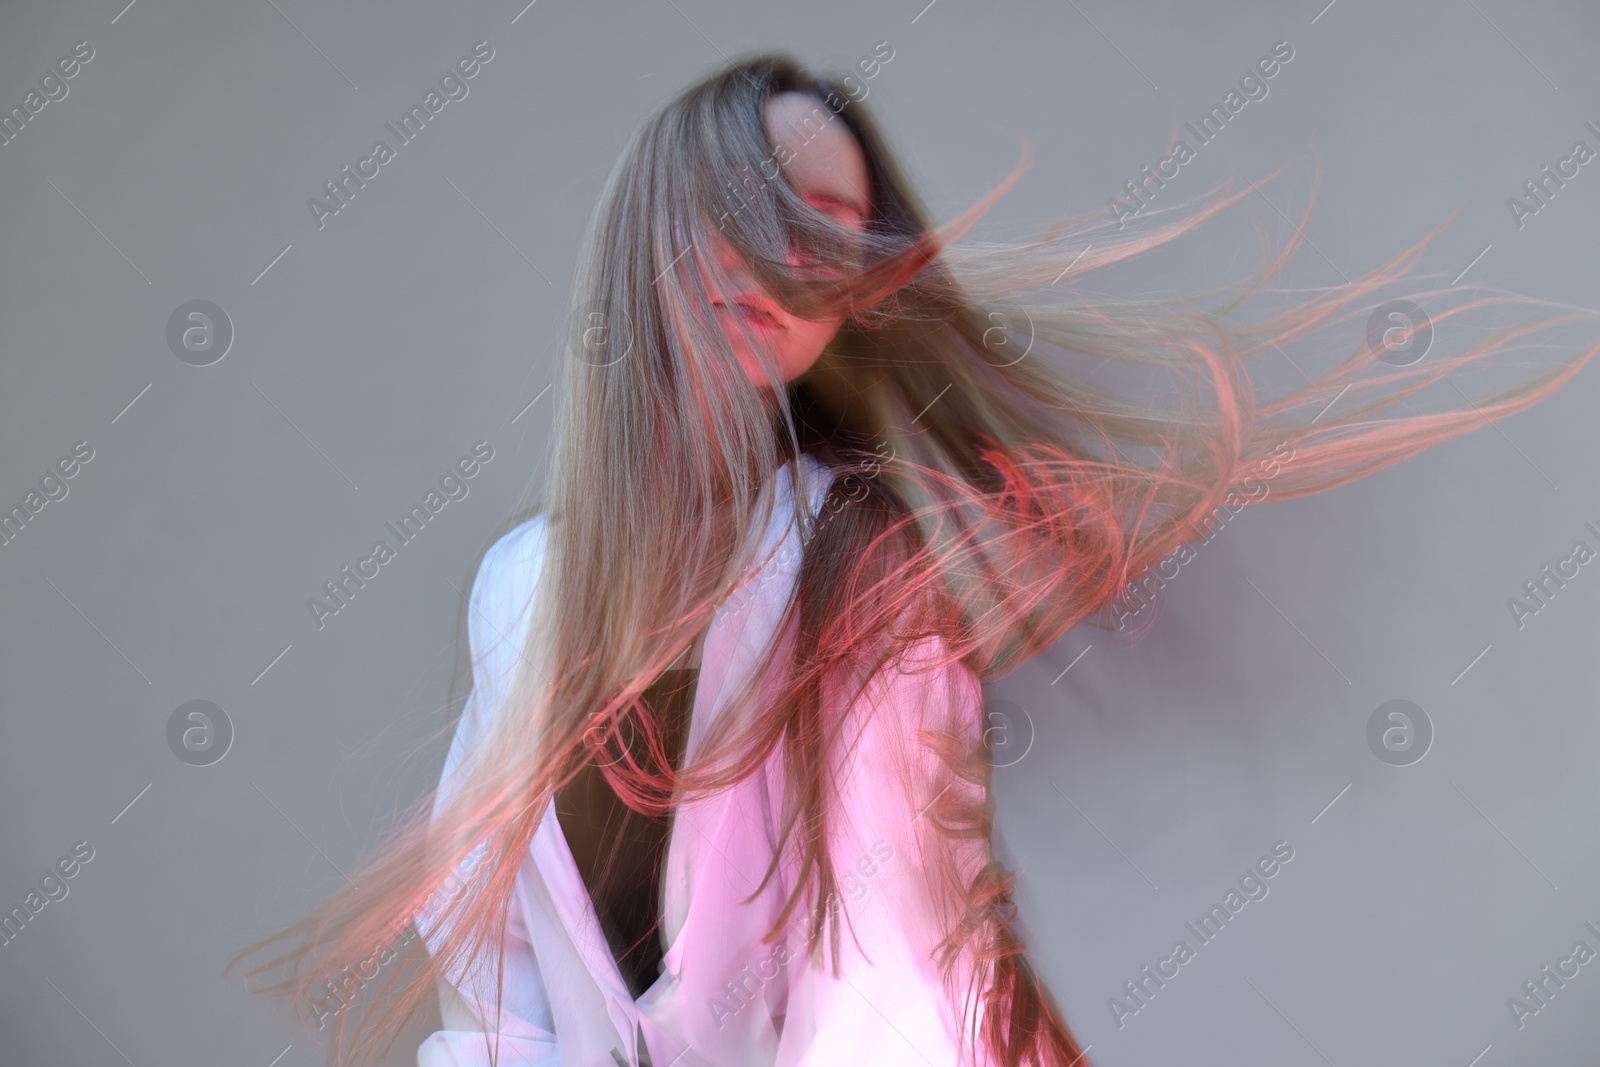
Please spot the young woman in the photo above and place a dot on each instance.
(720, 794)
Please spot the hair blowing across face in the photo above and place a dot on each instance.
(988, 495)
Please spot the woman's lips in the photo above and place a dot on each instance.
(756, 310)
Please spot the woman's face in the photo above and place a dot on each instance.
(824, 164)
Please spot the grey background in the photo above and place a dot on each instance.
(423, 318)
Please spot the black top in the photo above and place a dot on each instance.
(620, 852)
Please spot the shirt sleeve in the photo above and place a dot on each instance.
(499, 611)
(908, 833)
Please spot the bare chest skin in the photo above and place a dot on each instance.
(690, 659)
(618, 851)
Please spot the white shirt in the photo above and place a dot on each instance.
(724, 998)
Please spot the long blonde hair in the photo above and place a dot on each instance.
(984, 495)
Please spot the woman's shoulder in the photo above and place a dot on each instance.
(503, 588)
(512, 560)
(815, 475)
(502, 591)
(518, 549)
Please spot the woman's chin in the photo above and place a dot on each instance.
(757, 374)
